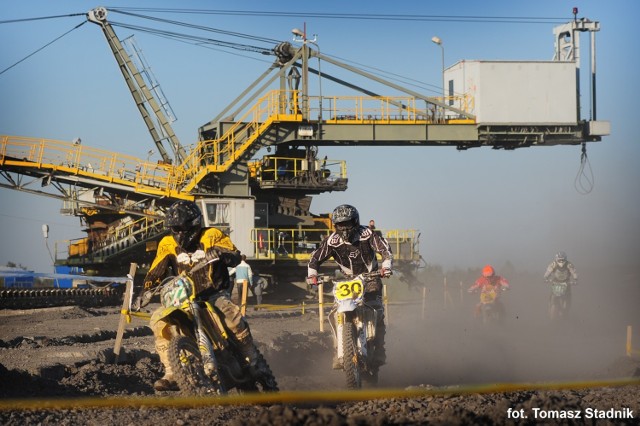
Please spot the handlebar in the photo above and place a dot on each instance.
(372, 274)
(148, 294)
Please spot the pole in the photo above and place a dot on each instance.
(124, 315)
(424, 301)
(629, 341)
(321, 304)
(385, 299)
(444, 90)
(243, 309)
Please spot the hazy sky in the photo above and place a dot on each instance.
(472, 207)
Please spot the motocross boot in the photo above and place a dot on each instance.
(380, 353)
(337, 363)
(166, 383)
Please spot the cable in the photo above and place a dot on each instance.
(584, 181)
(205, 40)
(12, 21)
(199, 27)
(361, 16)
(38, 50)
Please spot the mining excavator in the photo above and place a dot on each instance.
(263, 199)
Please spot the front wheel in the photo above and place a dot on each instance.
(188, 368)
(556, 308)
(350, 355)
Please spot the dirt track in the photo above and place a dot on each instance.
(62, 352)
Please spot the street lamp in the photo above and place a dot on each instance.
(45, 234)
(437, 40)
(302, 38)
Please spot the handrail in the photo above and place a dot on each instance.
(208, 156)
(298, 244)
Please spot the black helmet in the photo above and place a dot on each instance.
(184, 219)
(346, 220)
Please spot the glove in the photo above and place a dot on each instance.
(213, 253)
(138, 301)
(197, 256)
(184, 258)
(136, 305)
(312, 280)
(385, 272)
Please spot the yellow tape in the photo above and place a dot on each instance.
(296, 397)
(129, 314)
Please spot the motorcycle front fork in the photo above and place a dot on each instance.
(362, 336)
(204, 343)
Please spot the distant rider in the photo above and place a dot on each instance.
(354, 247)
(487, 282)
(242, 273)
(560, 270)
(188, 244)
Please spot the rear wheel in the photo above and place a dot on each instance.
(263, 379)
(350, 356)
(266, 379)
(188, 369)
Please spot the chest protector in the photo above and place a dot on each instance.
(561, 274)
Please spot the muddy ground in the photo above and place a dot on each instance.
(64, 353)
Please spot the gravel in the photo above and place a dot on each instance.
(65, 354)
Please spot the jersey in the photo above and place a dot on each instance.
(484, 283)
(215, 276)
(561, 273)
(356, 257)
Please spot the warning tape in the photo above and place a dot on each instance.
(285, 397)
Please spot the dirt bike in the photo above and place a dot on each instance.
(203, 354)
(490, 308)
(358, 322)
(558, 304)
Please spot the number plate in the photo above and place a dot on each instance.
(344, 290)
(176, 293)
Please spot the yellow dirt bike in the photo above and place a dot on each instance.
(355, 321)
(491, 308)
(203, 354)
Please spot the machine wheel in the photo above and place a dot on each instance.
(188, 368)
(350, 356)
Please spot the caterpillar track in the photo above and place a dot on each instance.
(48, 297)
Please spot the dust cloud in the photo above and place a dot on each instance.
(444, 344)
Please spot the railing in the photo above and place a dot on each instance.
(212, 155)
(127, 233)
(298, 244)
(284, 168)
(76, 159)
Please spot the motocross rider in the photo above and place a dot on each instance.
(486, 282)
(354, 247)
(188, 244)
(561, 270)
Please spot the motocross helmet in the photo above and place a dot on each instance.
(184, 220)
(346, 220)
(561, 258)
(488, 271)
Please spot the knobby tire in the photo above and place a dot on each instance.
(188, 369)
(350, 358)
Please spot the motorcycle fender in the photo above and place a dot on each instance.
(169, 317)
